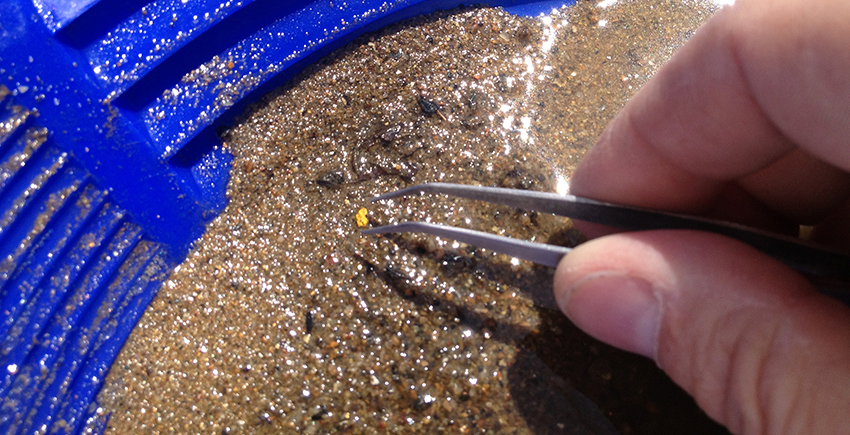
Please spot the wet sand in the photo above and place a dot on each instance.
(284, 319)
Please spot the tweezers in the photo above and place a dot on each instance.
(805, 257)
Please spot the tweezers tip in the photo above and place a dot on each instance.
(393, 194)
(370, 231)
(387, 195)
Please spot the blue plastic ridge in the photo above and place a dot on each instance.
(43, 380)
(24, 322)
(76, 411)
(75, 276)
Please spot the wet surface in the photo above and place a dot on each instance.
(285, 319)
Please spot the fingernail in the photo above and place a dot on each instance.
(620, 310)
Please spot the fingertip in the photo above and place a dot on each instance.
(618, 309)
(604, 292)
(743, 334)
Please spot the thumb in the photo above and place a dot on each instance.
(757, 347)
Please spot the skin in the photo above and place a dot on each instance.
(750, 121)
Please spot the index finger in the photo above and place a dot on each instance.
(758, 82)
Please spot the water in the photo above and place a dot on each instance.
(285, 319)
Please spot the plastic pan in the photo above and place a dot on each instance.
(110, 165)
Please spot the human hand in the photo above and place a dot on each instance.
(749, 122)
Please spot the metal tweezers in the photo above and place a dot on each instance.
(808, 258)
